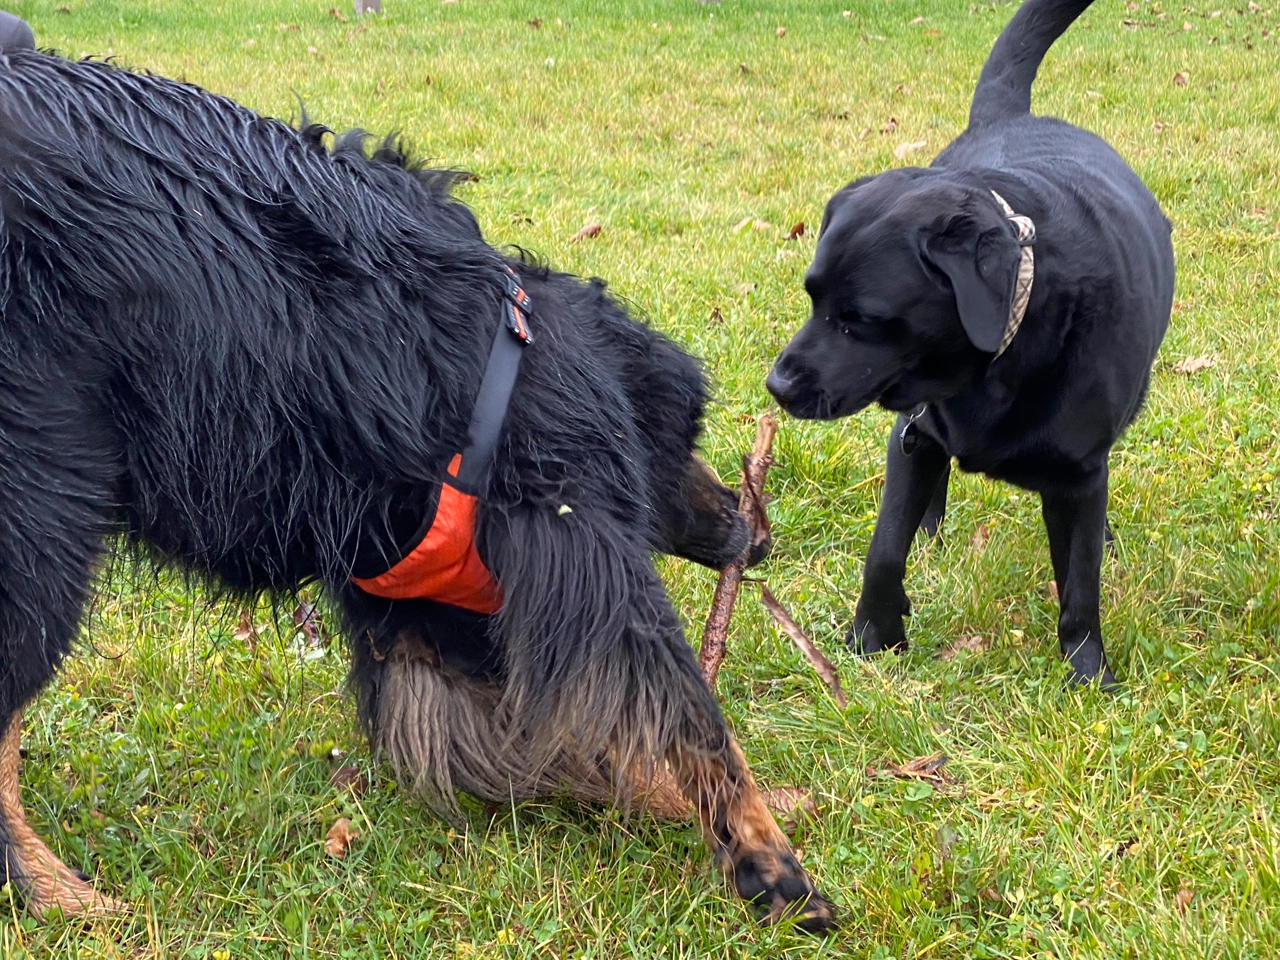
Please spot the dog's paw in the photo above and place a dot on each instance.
(1087, 665)
(777, 884)
(866, 637)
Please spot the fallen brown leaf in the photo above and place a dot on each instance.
(716, 315)
(337, 14)
(349, 778)
(1160, 126)
(781, 32)
(590, 230)
(890, 125)
(1052, 586)
(1195, 364)
(974, 644)
(796, 232)
(743, 289)
(902, 149)
(929, 769)
(979, 539)
(307, 619)
(246, 632)
(917, 20)
(536, 23)
(1182, 900)
(339, 838)
(1180, 79)
(790, 805)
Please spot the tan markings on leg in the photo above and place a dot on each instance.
(744, 834)
(45, 880)
(657, 793)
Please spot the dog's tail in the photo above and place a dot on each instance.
(1004, 87)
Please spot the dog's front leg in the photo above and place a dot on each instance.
(910, 485)
(1076, 521)
(745, 837)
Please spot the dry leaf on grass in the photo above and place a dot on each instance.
(974, 644)
(716, 315)
(246, 632)
(1182, 900)
(1179, 79)
(1052, 587)
(590, 230)
(781, 32)
(339, 838)
(349, 778)
(926, 769)
(796, 232)
(890, 125)
(917, 20)
(307, 619)
(902, 149)
(1195, 364)
(743, 289)
(979, 539)
(790, 805)
(536, 23)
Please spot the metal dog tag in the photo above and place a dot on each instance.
(909, 435)
(909, 438)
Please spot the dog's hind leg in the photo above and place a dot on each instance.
(45, 881)
(1076, 523)
(910, 488)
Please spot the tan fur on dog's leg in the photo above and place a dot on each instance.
(45, 880)
(747, 839)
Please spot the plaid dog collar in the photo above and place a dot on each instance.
(1026, 231)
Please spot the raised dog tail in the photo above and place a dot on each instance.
(1004, 87)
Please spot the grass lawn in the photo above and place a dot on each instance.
(188, 770)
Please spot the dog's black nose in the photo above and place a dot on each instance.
(780, 384)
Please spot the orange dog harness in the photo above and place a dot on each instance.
(445, 566)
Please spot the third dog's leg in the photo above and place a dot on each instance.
(910, 485)
(1075, 522)
(746, 838)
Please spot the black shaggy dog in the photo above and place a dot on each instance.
(256, 356)
(1007, 303)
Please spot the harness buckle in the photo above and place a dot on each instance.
(517, 308)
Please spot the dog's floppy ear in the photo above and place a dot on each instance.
(981, 261)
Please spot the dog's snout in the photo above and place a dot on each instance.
(781, 382)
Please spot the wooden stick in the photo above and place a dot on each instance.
(826, 670)
(751, 507)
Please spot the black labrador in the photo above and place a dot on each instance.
(1007, 303)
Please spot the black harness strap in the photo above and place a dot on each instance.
(494, 396)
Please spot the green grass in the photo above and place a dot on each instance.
(166, 760)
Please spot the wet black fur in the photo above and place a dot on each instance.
(253, 354)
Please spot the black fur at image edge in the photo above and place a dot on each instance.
(251, 353)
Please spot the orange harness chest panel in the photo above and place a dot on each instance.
(445, 566)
